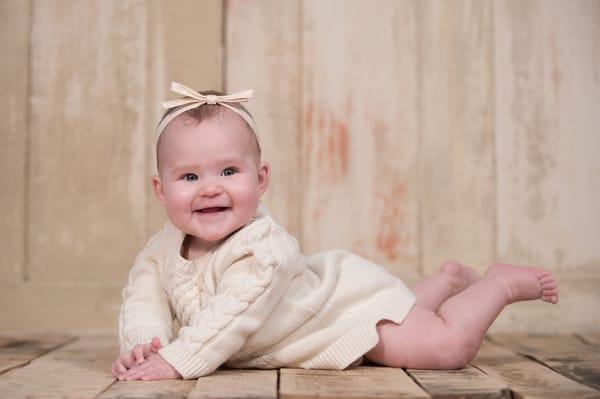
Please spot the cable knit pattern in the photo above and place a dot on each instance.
(222, 309)
(256, 301)
(243, 272)
(184, 290)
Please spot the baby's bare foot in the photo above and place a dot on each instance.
(525, 283)
(459, 276)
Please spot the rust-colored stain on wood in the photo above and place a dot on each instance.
(390, 193)
(326, 149)
(330, 137)
(325, 152)
(391, 217)
(316, 213)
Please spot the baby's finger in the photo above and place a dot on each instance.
(138, 351)
(156, 345)
(113, 370)
(155, 373)
(121, 369)
(118, 370)
(151, 375)
(135, 373)
(127, 359)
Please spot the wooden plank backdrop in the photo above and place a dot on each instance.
(358, 122)
(457, 135)
(547, 128)
(13, 138)
(83, 87)
(267, 58)
(406, 127)
(408, 131)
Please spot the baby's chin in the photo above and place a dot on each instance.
(215, 238)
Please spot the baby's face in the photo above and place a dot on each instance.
(210, 180)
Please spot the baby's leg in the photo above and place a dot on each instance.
(451, 338)
(451, 279)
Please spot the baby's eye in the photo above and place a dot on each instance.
(190, 177)
(229, 172)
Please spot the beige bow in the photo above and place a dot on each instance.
(193, 99)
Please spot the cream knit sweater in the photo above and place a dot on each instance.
(257, 302)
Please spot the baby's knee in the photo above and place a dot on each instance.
(450, 266)
(459, 350)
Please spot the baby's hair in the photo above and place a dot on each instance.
(208, 112)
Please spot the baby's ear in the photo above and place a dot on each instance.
(157, 188)
(264, 175)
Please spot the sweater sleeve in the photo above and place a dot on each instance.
(145, 312)
(246, 293)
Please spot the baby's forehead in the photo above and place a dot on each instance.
(228, 127)
(225, 123)
(222, 116)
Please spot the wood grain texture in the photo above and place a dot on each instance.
(230, 384)
(185, 44)
(93, 119)
(80, 367)
(543, 345)
(359, 130)
(88, 143)
(17, 351)
(15, 26)
(456, 133)
(77, 370)
(565, 354)
(468, 382)
(360, 382)
(372, 96)
(263, 52)
(172, 389)
(93, 107)
(58, 308)
(547, 73)
(591, 337)
(528, 378)
(583, 368)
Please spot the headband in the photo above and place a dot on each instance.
(193, 99)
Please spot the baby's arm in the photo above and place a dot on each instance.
(145, 312)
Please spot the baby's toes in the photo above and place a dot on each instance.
(547, 279)
(549, 285)
(550, 296)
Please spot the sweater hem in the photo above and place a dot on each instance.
(185, 361)
(350, 347)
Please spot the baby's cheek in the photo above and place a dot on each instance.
(250, 200)
(182, 191)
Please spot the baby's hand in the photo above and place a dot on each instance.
(137, 354)
(153, 368)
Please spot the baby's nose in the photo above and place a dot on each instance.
(210, 189)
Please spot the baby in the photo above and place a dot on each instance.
(245, 296)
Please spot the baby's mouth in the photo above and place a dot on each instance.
(214, 209)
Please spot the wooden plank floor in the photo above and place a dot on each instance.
(507, 366)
